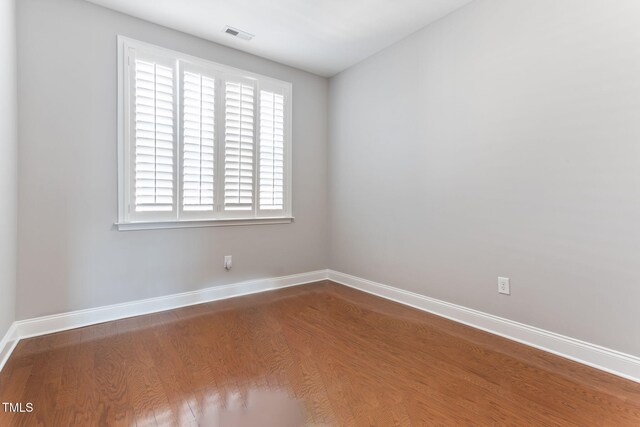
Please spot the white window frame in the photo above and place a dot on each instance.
(178, 218)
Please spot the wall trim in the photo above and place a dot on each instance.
(7, 344)
(29, 328)
(77, 319)
(595, 356)
(611, 361)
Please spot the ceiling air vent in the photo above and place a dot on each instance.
(237, 33)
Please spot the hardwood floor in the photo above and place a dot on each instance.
(319, 354)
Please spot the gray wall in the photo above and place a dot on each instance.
(8, 161)
(70, 257)
(502, 140)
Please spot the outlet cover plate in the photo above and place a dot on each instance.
(504, 287)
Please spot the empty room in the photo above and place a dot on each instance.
(236, 213)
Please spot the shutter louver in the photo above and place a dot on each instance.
(239, 142)
(198, 142)
(154, 137)
(271, 172)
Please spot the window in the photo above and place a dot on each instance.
(200, 143)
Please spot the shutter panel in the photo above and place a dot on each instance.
(154, 137)
(198, 135)
(271, 170)
(239, 143)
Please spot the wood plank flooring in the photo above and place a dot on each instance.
(318, 355)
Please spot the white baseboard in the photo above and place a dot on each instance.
(22, 329)
(7, 344)
(614, 362)
(77, 319)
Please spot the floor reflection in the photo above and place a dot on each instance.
(246, 408)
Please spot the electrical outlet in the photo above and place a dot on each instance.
(503, 286)
(227, 262)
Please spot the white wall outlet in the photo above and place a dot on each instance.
(227, 262)
(503, 286)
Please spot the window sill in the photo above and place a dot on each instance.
(158, 225)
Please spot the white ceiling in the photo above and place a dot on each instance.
(320, 36)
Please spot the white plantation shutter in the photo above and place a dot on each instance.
(239, 146)
(271, 148)
(198, 136)
(154, 129)
(199, 142)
